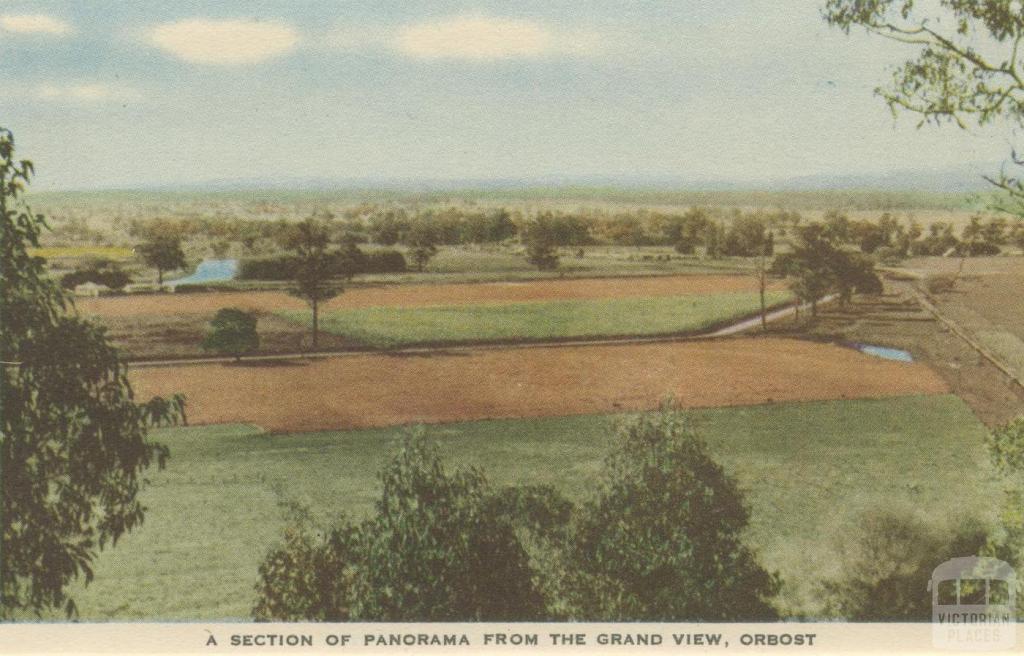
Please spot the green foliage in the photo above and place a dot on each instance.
(232, 332)
(163, 253)
(817, 266)
(748, 236)
(1006, 450)
(435, 550)
(663, 538)
(542, 244)
(314, 268)
(347, 263)
(967, 67)
(101, 272)
(74, 441)
(422, 243)
(222, 486)
(886, 567)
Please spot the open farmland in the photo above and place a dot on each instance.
(391, 327)
(365, 390)
(172, 325)
(421, 295)
(809, 470)
(987, 302)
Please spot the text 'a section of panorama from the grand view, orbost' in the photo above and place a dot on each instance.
(415, 383)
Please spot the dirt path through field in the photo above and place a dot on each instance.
(421, 295)
(380, 390)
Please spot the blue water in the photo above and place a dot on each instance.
(883, 352)
(210, 271)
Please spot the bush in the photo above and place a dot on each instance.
(886, 567)
(385, 261)
(662, 540)
(232, 332)
(345, 263)
(268, 268)
(435, 550)
(101, 273)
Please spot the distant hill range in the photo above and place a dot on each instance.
(962, 179)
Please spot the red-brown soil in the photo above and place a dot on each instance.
(367, 390)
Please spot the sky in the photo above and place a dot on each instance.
(144, 93)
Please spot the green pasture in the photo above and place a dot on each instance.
(808, 469)
(384, 327)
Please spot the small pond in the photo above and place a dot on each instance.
(884, 352)
(209, 271)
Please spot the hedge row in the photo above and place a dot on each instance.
(342, 264)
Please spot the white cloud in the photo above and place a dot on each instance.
(34, 24)
(467, 37)
(85, 92)
(226, 42)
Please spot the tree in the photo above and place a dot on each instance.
(351, 259)
(967, 69)
(232, 332)
(761, 270)
(1006, 451)
(662, 539)
(74, 441)
(886, 565)
(541, 244)
(163, 253)
(817, 266)
(854, 272)
(810, 265)
(314, 268)
(438, 548)
(422, 243)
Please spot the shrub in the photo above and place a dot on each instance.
(384, 261)
(347, 263)
(541, 240)
(101, 273)
(268, 268)
(662, 539)
(887, 564)
(435, 550)
(232, 332)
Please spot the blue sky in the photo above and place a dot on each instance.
(111, 94)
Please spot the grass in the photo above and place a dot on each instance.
(391, 327)
(98, 252)
(808, 470)
(1006, 346)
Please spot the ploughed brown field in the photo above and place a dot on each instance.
(421, 295)
(368, 390)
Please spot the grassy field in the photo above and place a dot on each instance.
(808, 469)
(390, 327)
